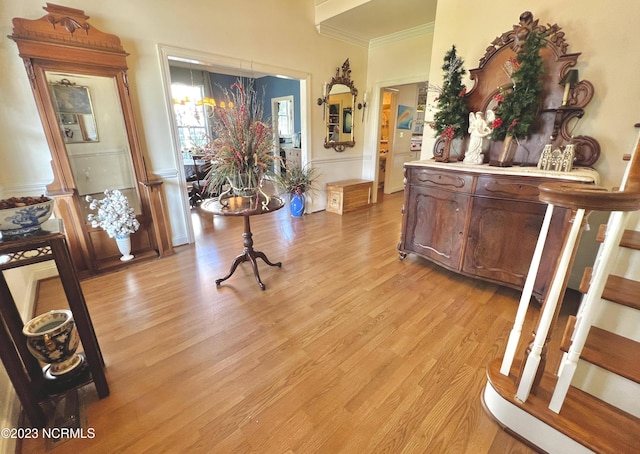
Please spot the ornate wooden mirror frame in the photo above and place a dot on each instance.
(339, 103)
(62, 45)
(553, 122)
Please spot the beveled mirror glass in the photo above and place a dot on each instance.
(340, 104)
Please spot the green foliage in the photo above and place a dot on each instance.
(297, 179)
(518, 109)
(243, 143)
(452, 117)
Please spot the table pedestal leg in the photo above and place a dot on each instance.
(250, 255)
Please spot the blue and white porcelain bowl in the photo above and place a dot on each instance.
(20, 220)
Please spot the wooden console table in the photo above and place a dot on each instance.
(483, 221)
(23, 369)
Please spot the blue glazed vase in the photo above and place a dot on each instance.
(296, 204)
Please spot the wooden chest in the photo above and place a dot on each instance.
(348, 195)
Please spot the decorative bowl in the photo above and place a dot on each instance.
(20, 215)
(53, 339)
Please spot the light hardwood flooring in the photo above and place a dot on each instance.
(348, 350)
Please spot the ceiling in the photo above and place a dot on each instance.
(379, 18)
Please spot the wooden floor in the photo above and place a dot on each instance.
(348, 350)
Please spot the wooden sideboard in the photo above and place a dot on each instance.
(483, 221)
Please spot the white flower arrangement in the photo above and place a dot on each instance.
(115, 215)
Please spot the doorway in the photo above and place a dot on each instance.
(231, 67)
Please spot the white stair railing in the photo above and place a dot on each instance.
(608, 255)
(548, 311)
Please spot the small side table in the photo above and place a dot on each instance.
(23, 369)
(245, 207)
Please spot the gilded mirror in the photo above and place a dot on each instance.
(339, 104)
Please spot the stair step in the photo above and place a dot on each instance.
(630, 238)
(590, 421)
(617, 289)
(607, 350)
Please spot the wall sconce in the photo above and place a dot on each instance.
(323, 100)
(363, 105)
(569, 80)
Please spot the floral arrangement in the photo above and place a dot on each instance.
(517, 109)
(297, 180)
(243, 142)
(451, 119)
(115, 215)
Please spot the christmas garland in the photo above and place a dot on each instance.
(517, 109)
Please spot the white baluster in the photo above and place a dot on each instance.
(607, 257)
(551, 302)
(516, 331)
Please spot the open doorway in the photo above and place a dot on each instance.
(400, 131)
(210, 64)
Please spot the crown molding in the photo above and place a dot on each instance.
(343, 35)
(359, 40)
(413, 32)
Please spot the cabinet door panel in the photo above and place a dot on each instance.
(435, 224)
(501, 240)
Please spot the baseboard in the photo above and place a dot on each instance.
(526, 426)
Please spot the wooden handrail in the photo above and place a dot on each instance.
(590, 198)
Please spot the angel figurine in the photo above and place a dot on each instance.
(478, 130)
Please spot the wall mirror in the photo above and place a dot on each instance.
(78, 75)
(339, 104)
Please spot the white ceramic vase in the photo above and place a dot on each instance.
(124, 246)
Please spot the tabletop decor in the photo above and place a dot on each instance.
(451, 119)
(23, 215)
(243, 143)
(517, 107)
(297, 181)
(115, 217)
(53, 339)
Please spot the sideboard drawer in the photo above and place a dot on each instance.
(450, 181)
(510, 188)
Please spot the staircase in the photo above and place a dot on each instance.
(592, 402)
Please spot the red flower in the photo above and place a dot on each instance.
(498, 97)
(448, 133)
(513, 124)
(463, 92)
(496, 123)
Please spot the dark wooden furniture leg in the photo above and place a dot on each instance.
(17, 358)
(248, 254)
(78, 306)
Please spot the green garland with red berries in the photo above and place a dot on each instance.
(517, 109)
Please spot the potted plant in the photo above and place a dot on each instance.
(517, 108)
(242, 150)
(115, 217)
(297, 181)
(451, 119)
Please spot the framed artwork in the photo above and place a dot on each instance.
(71, 99)
(405, 117)
(347, 120)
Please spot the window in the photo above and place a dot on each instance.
(190, 117)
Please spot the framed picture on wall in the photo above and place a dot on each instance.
(72, 99)
(405, 117)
